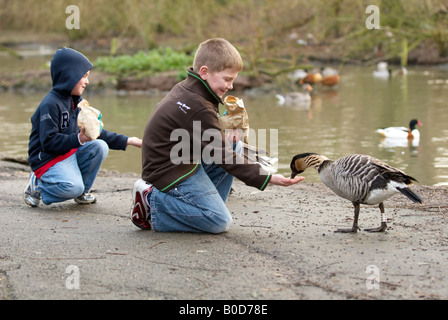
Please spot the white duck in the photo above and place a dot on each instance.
(297, 75)
(361, 179)
(296, 98)
(382, 70)
(402, 132)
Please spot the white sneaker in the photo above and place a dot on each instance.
(140, 210)
(31, 195)
(85, 198)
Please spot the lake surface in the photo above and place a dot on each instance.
(339, 121)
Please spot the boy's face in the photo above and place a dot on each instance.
(220, 82)
(81, 85)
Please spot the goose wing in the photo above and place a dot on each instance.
(391, 173)
(392, 180)
(349, 176)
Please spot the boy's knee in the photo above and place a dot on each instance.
(101, 148)
(71, 190)
(65, 191)
(222, 226)
(98, 149)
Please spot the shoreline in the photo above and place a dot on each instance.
(39, 80)
(281, 246)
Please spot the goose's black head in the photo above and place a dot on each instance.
(300, 162)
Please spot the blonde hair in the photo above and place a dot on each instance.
(217, 54)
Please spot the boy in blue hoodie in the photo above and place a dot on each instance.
(64, 161)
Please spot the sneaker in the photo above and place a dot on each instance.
(86, 198)
(31, 195)
(140, 210)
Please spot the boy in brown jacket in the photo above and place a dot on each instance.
(188, 164)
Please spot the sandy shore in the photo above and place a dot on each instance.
(280, 247)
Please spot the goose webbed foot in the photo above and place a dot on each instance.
(354, 228)
(381, 228)
(351, 230)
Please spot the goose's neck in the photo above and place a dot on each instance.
(315, 161)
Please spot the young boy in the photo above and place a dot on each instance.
(188, 193)
(63, 160)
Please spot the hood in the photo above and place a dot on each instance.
(68, 66)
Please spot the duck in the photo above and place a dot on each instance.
(362, 179)
(402, 132)
(403, 71)
(382, 70)
(296, 98)
(297, 75)
(330, 77)
(311, 78)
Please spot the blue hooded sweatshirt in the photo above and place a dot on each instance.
(55, 128)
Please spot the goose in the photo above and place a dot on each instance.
(362, 179)
(402, 132)
(296, 98)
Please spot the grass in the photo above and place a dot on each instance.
(145, 63)
(263, 30)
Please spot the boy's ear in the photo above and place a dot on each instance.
(203, 72)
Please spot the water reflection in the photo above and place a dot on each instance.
(338, 121)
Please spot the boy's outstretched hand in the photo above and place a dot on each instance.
(280, 180)
(134, 141)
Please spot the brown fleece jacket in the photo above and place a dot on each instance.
(183, 130)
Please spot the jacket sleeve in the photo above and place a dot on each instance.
(114, 140)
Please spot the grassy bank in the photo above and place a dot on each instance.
(268, 33)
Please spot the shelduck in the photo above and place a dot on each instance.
(311, 78)
(402, 132)
(362, 179)
(330, 76)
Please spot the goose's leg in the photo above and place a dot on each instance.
(383, 226)
(354, 228)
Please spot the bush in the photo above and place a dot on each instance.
(145, 63)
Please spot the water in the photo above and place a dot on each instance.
(339, 121)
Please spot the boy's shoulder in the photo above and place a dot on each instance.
(182, 95)
(54, 100)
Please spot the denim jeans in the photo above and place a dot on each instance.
(73, 176)
(195, 205)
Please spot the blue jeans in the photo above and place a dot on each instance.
(195, 205)
(75, 175)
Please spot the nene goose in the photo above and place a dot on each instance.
(359, 178)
